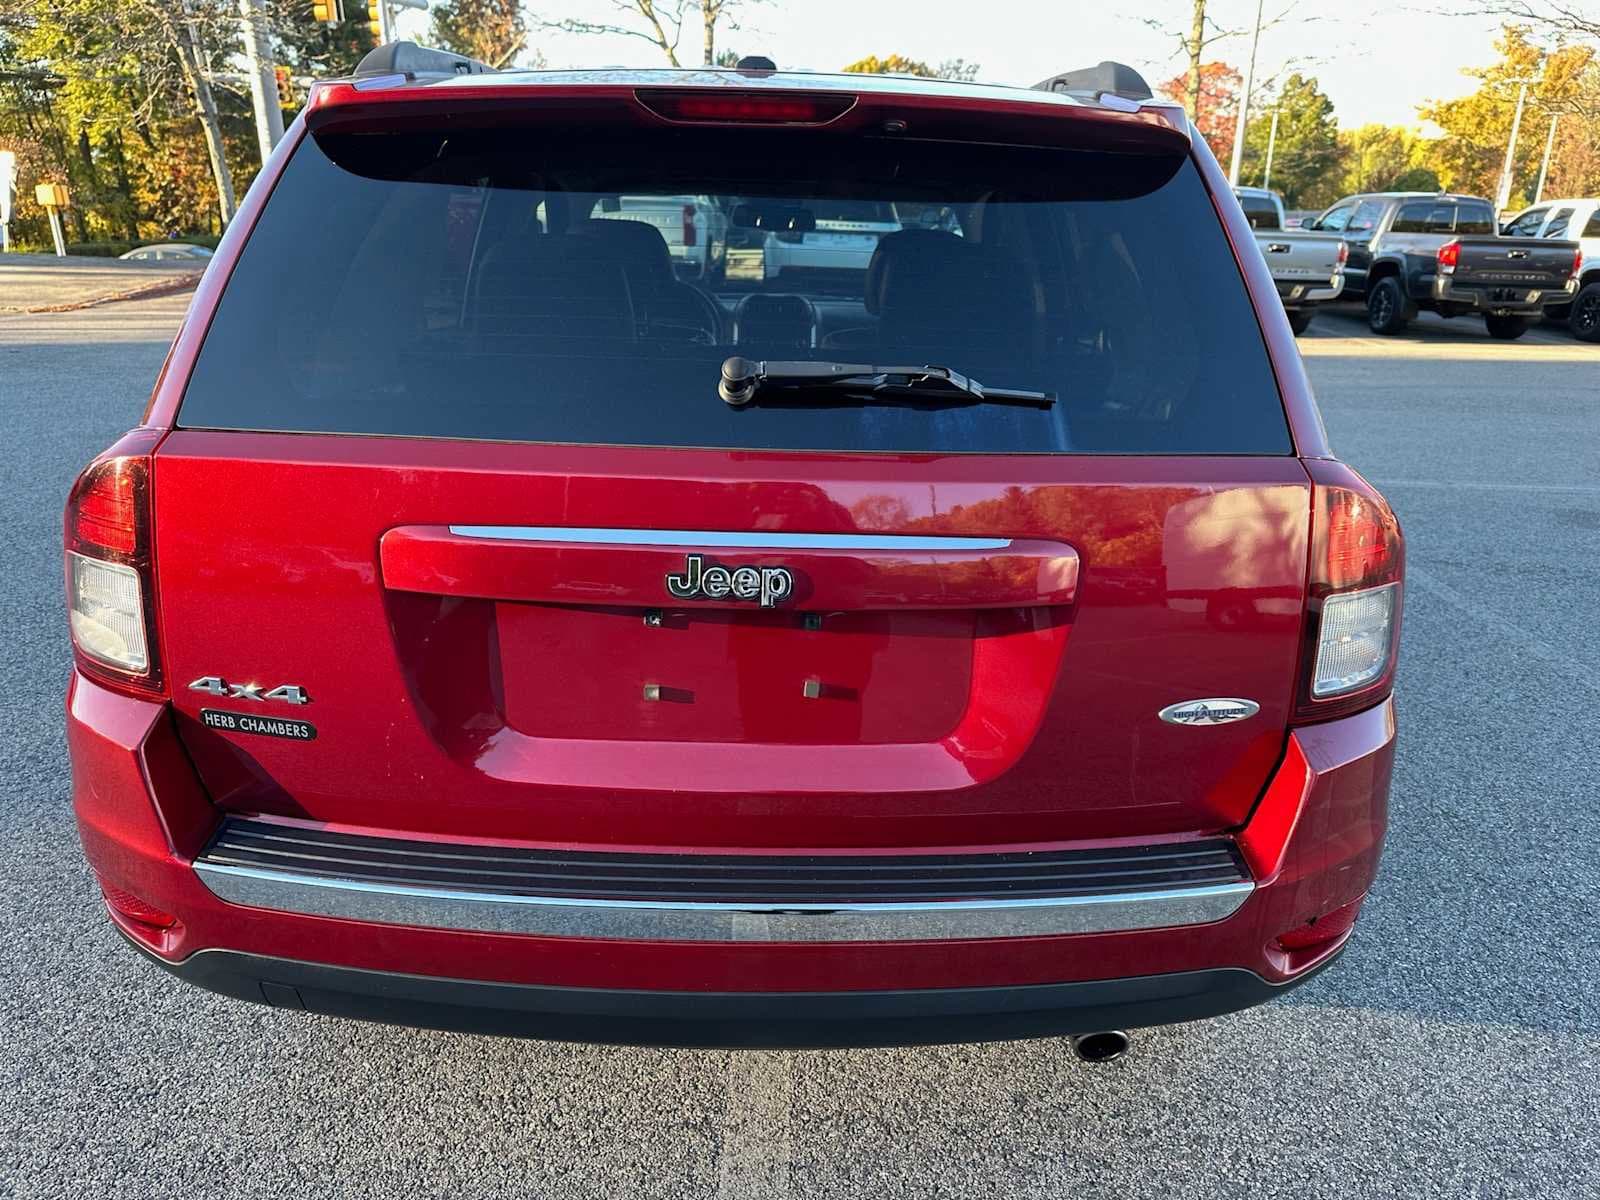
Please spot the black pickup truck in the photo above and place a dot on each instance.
(1411, 251)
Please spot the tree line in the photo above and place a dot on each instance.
(1315, 161)
(142, 107)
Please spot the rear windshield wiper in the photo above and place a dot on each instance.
(744, 380)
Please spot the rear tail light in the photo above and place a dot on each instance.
(1577, 262)
(1354, 600)
(1449, 255)
(745, 108)
(1343, 255)
(688, 225)
(111, 567)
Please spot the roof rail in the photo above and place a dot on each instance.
(1105, 77)
(417, 62)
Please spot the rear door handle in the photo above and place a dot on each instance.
(705, 569)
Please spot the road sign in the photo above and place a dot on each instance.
(51, 195)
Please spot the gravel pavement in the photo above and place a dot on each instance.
(1454, 1052)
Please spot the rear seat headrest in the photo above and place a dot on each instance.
(636, 245)
(927, 277)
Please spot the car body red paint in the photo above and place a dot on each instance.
(485, 692)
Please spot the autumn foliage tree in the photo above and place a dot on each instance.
(491, 31)
(1218, 104)
(899, 64)
(1566, 86)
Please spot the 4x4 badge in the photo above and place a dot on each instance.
(765, 585)
(212, 685)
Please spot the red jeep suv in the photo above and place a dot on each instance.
(963, 633)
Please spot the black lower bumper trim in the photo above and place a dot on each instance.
(792, 1020)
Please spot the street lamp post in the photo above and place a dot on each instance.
(1244, 103)
(1544, 165)
(263, 83)
(1503, 192)
(1272, 144)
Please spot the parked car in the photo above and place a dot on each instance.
(1566, 219)
(1307, 267)
(547, 657)
(1263, 208)
(694, 228)
(1442, 252)
(839, 240)
(167, 252)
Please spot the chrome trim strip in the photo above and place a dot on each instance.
(743, 541)
(484, 912)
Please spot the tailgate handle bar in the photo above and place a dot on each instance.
(633, 567)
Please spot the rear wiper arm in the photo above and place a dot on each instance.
(744, 379)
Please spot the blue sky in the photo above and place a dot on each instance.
(1376, 61)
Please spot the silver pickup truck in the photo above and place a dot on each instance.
(1307, 267)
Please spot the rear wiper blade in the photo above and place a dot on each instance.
(744, 379)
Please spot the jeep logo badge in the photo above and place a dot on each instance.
(766, 585)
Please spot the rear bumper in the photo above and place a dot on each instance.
(790, 1020)
(1518, 299)
(1301, 294)
(1311, 847)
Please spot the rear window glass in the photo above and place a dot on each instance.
(1444, 216)
(1261, 212)
(520, 285)
(1474, 217)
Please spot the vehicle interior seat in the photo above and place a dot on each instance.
(665, 305)
(545, 288)
(936, 292)
(785, 322)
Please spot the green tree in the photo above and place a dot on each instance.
(893, 64)
(1305, 158)
(123, 100)
(899, 64)
(311, 48)
(1382, 158)
(491, 31)
(1565, 84)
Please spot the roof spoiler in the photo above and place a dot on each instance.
(418, 62)
(1111, 78)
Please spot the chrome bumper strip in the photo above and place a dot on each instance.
(487, 912)
(742, 541)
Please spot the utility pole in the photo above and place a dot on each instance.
(1272, 144)
(1502, 196)
(1244, 103)
(263, 81)
(1544, 166)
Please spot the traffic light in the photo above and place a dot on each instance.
(375, 19)
(329, 12)
(285, 87)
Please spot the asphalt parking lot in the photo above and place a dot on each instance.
(1455, 1052)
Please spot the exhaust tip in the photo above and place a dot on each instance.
(1106, 1046)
